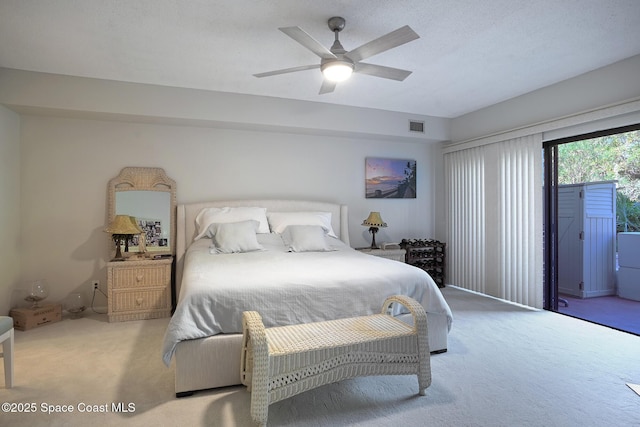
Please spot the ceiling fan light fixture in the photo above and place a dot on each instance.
(337, 71)
(337, 64)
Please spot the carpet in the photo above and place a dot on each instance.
(506, 366)
(634, 387)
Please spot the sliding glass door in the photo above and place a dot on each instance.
(591, 192)
(550, 198)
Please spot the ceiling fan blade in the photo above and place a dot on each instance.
(327, 87)
(287, 70)
(388, 41)
(381, 71)
(302, 37)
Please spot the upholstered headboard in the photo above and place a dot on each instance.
(186, 224)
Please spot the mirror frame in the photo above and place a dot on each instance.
(144, 179)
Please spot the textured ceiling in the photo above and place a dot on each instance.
(471, 53)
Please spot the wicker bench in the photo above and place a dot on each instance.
(280, 362)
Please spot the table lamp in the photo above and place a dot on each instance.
(122, 228)
(374, 221)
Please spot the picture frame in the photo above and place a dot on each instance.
(390, 178)
(154, 239)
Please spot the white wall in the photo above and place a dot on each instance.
(9, 205)
(55, 94)
(599, 88)
(67, 162)
(77, 133)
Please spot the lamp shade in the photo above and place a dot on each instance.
(374, 220)
(123, 224)
(337, 71)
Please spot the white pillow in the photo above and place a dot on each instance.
(305, 238)
(234, 237)
(209, 216)
(278, 221)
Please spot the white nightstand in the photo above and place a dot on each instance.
(139, 289)
(394, 254)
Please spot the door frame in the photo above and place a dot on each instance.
(550, 200)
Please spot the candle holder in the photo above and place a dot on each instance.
(37, 291)
(75, 305)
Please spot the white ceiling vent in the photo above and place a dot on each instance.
(415, 126)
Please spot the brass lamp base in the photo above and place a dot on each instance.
(118, 238)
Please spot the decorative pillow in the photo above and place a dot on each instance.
(278, 221)
(234, 237)
(306, 238)
(209, 216)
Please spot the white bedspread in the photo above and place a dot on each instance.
(288, 288)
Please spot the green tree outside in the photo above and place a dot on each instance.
(609, 158)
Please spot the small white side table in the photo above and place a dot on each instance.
(394, 254)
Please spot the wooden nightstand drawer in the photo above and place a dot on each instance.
(151, 276)
(152, 299)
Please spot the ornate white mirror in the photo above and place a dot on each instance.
(149, 196)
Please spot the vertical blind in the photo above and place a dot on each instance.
(464, 210)
(494, 213)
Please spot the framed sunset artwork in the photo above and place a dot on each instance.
(390, 178)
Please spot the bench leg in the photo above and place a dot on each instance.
(256, 342)
(424, 364)
(260, 400)
(424, 375)
(421, 335)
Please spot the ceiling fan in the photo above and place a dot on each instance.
(337, 64)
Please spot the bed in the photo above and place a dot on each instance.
(287, 278)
